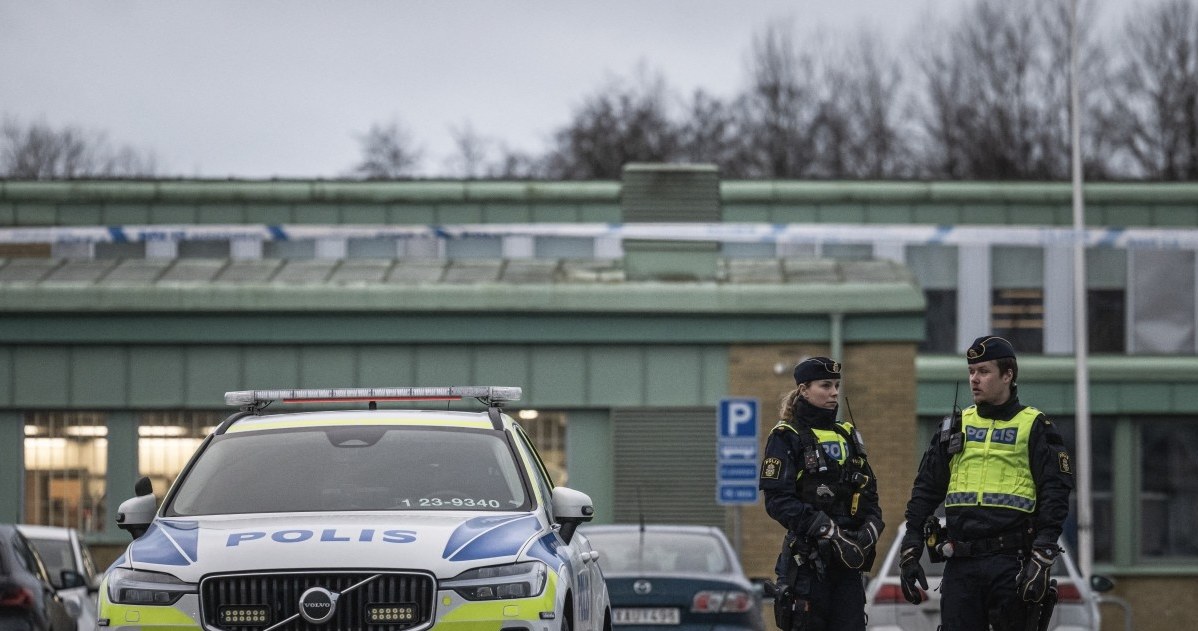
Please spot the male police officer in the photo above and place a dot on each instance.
(1003, 473)
(819, 486)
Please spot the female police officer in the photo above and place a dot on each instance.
(819, 486)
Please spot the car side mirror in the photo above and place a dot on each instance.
(70, 578)
(571, 508)
(1100, 583)
(135, 514)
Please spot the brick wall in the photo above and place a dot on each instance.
(879, 381)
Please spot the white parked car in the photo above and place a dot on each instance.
(369, 519)
(1076, 609)
(70, 567)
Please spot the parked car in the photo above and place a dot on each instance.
(1076, 609)
(68, 562)
(28, 601)
(687, 577)
(373, 519)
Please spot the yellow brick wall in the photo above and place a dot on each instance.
(879, 381)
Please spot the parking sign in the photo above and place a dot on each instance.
(736, 451)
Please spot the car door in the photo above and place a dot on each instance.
(581, 556)
(51, 607)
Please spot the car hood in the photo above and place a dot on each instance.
(445, 543)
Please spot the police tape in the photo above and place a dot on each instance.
(1042, 236)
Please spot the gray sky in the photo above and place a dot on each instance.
(223, 88)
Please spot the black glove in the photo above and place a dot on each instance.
(912, 572)
(1033, 579)
(846, 547)
(867, 537)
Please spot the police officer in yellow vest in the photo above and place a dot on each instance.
(819, 485)
(1004, 475)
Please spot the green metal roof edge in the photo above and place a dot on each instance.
(650, 297)
(328, 191)
(949, 192)
(948, 368)
(449, 191)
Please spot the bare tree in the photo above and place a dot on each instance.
(711, 131)
(37, 151)
(1157, 119)
(996, 102)
(861, 129)
(388, 152)
(622, 122)
(472, 154)
(780, 106)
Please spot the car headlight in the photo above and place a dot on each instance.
(135, 587)
(519, 580)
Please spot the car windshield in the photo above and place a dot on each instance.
(659, 551)
(56, 556)
(357, 468)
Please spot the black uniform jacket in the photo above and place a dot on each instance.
(782, 498)
(1051, 472)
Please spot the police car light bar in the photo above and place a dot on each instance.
(489, 395)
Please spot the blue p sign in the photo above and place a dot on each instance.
(738, 418)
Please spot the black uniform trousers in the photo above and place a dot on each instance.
(980, 591)
(837, 602)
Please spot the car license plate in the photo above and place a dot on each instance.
(645, 615)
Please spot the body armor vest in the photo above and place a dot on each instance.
(993, 468)
(831, 467)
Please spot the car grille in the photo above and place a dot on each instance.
(281, 594)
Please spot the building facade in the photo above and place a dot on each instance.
(128, 308)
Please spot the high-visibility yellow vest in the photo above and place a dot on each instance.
(993, 468)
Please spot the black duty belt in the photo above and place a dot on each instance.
(1003, 543)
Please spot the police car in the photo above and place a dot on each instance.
(368, 519)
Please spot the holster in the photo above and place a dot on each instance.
(1040, 614)
(792, 612)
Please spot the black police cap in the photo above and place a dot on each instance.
(814, 368)
(988, 347)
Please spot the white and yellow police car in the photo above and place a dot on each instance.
(364, 520)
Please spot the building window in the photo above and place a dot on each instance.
(1162, 294)
(935, 267)
(1106, 321)
(66, 459)
(1101, 482)
(940, 321)
(1017, 296)
(547, 432)
(166, 441)
(1168, 488)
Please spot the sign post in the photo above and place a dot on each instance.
(736, 457)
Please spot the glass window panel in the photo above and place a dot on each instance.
(564, 247)
(1101, 474)
(1168, 487)
(133, 250)
(1015, 267)
(66, 459)
(1018, 315)
(203, 249)
(1162, 311)
(934, 266)
(474, 248)
(289, 249)
(547, 432)
(940, 321)
(166, 440)
(1106, 268)
(848, 251)
(748, 250)
(1106, 320)
(370, 248)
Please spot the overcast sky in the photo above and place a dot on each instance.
(283, 88)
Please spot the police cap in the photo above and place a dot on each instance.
(989, 347)
(814, 368)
